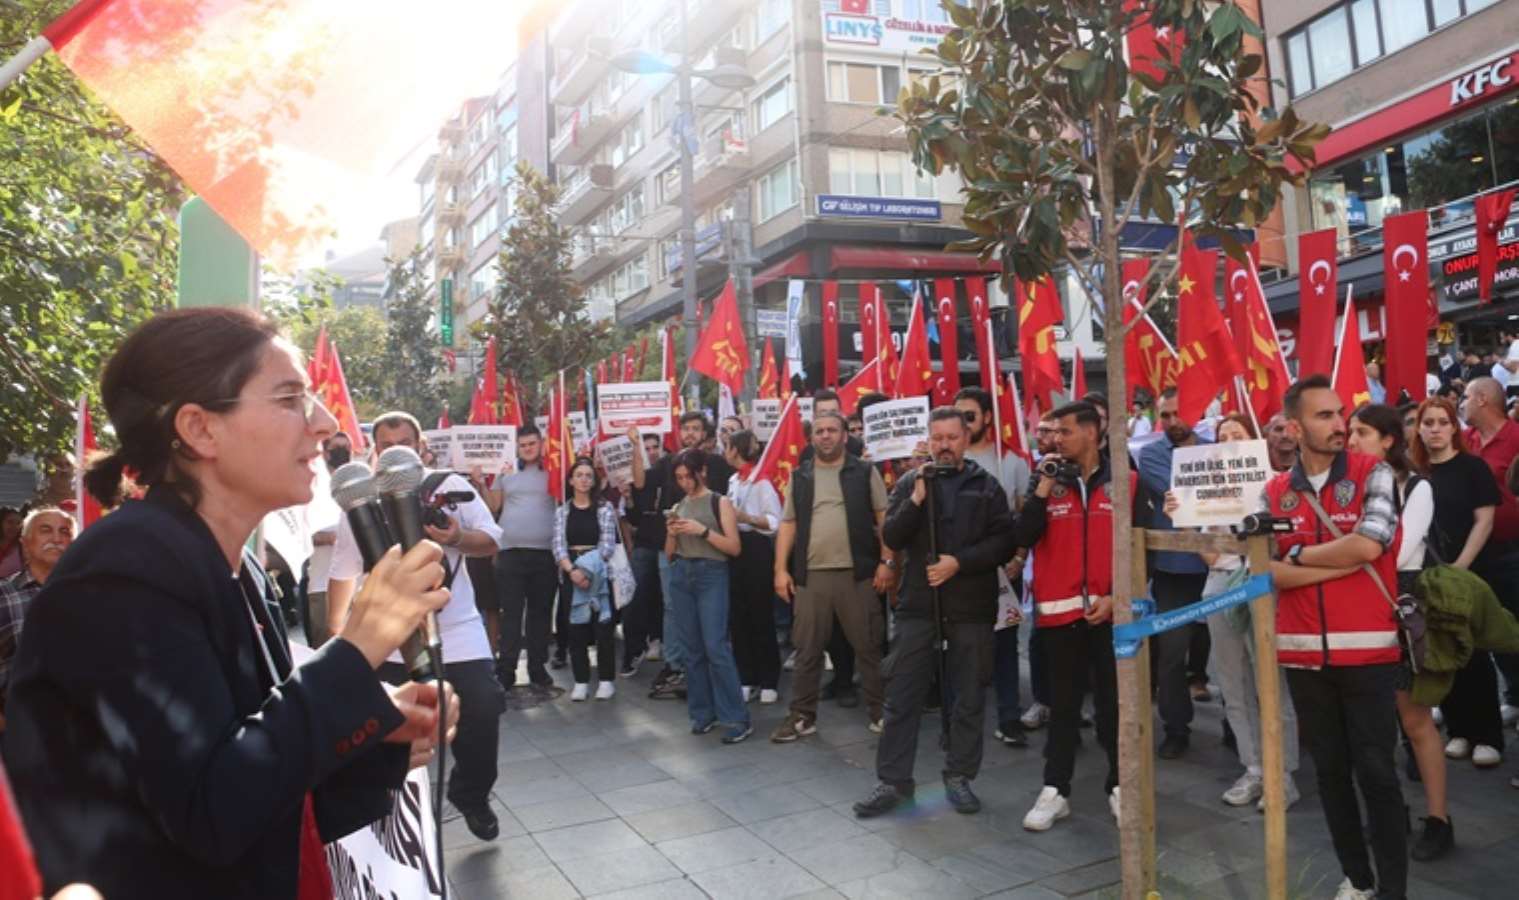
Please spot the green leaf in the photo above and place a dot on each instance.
(1074, 60)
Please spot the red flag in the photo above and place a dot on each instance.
(769, 388)
(869, 306)
(511, 402)
(831, 333)
(865, 381)
(855, 7)
(949, 337)
(601, 371)
(1149, 359)
(672, 437)
(86, 507)
(23, 882)
(980, 317)
(1349, 379)
(916, 374)
(1208, 361)
(1038, 313)
(1078, 377)
(1147, 43)
(785, 377)
(492, 384)
(1266, 377)
(333, 392)
(443, 420)
(1236, 291)
(887, 351)
(784, 451)
(1405, 280)
(1318, 275)
(643, 353)
(1492, 215)
(1014, 427)
(721, 353)
(316, 367)
(558, 444)
(480, 412)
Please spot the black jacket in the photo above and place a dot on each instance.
(150, 752)
(860, 516)
(977, 531)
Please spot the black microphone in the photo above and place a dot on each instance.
(397, 480)
(354, 491)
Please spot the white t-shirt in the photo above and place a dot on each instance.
(1418, 513)
(459, 622)
(321, 563)
(1500, 372)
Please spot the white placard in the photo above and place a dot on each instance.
(1218, 484)
(580, 431)
(491, 447)
(766, 418)
(806, 406)
(770, 323)
(616, 457)
(440, 441)
(642, 403)
(894, 429)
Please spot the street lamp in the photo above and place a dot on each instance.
(728, 76)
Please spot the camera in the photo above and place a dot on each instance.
(1260, 523)
(1060, 469)
(936, 470)
(433, 510)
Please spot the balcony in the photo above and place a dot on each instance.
(579, 71)
(451, 213)
(450, 256)
(585, 188)
(450, 168)
(585, 128)
(452, 131)
(721, 164)
(704, 92)
(592, 254)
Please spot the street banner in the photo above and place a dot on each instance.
(1218, 484)
(441, 442)
(796, 298)
(616, 457)
(894, 429)
(491, 447)
(642, 403)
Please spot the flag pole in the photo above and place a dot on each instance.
(1339, 350)
(60, 31)
(1244, 397)
(35, 49)
(996, 407)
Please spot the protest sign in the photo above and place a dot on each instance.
(766, 418)
(806, 406)
(616, 456)
(642, 403)
(441, 442)
(1218, 484)
(895, 428)
(491, 447)
(580, 431)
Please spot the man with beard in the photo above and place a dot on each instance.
(951, 569)
(45, 534)
(1281, 446)
(1176, 579)
(337, 451)
(1337, 635)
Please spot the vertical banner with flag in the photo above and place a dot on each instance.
(1078, 376)
(784, 451)
(86, 508)
(1205, 349)
(1349, 378)
(916, 373)
(1147, 42)
(1318, 275)
(1038, 314)
(980, 317)
(949, 337)
(869, 307)
(796, 304)
(1266, 378)
(1405, 280)
(721, 352)
(557, 443)
(830, 334)
(1492, 216)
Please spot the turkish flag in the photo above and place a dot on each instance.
(865, 381)
(916, 375)
(1149, 359)
(870, 297)
(784, 450)
(1266, 378)
(629, 365)
(1492, 215)
(1405, 280)
(949, 336)
(855, 7)
(721, 352)
(667, 372)
(1147, 43)
(1318, 275)
(980, 319)
(1236, 291)
(1078, 377)
(1349, 379)
(831, 333)
(1038, 313)
(1205, 351)
(768, 380)
(643, 353)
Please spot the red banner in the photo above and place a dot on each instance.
(949, 340)
(831, 334)
(1405, 279)
(980, 317)
(1318, 274)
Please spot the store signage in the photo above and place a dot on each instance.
(841, 206)
(1459, 273)
(1478, 82)
(770, 322)
(1466, 242)
(852, 29)
(842, 28)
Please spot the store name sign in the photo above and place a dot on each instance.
(897, 35)
(879, 208)
(1478, 82)
(842, 28)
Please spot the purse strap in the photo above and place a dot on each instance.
(1376, 577)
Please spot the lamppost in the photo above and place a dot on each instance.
(727, 75)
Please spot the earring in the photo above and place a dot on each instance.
(174, 444)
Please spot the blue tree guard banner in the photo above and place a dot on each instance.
(1127, 638)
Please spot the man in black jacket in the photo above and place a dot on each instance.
(974, 531)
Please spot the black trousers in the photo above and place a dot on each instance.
(580, 637)
(482, 701)
(1199, 647)
(644, 618)
(1078, 657)
(751, 612)
(1348, 717)
(1471, 708)
(1169, 649)
(907, 671)
(1502, 575)
(526, 583)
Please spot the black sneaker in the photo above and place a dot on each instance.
(1173, 746)
(961, 797)
(883, 799)
(480, 821)
(830, 691)
(559, 661)
(1436, 840)
(1011, 733)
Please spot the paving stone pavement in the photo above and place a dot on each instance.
(618, 800)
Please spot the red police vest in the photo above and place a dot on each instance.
(1347, 621)
(1074, 557)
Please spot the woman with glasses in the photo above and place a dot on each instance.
(160, 743)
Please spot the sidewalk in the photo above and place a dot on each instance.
(618, 799)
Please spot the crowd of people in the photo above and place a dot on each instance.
(916, 581)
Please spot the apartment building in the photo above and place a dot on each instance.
(1424, 99)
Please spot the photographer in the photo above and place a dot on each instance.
(1068, 520)
(957, 579)
(470, 532)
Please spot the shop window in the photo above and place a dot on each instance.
(1358, 32)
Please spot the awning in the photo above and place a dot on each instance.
(890, 259)
(794, 266)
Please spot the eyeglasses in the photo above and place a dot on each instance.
(307, 399)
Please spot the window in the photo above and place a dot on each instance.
(662, 109)
(924, 11)
(631, 277)
(877, 173)
(625, 212)
(426, 232)
(482, 281)
(665, 253)
(771, 105)
(483, 226)
(863, 83)
(667, 185)
(771, 17)
(628, 142)
(1368, 39)
(778, 191)
(507, 151)
(428, 186)
(1403, 22)
(1330, 37)
(1358, 32)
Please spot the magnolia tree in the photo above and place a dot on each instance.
(1062, 139)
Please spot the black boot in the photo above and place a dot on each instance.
(1436, 840)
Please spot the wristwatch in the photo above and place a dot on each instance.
(890, 564)
(1294, 553)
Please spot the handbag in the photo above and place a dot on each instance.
(621, 573)
(1410, 618)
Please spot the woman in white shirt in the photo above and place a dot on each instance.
(751, 617)
(1377, 430)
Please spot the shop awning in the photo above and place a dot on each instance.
(897, 259)
(796, 265)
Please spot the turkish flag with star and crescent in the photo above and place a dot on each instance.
(915, 375)
(830, 333)
(1318, 276)
(1405, 280)
(949, 337)
(869, 307)
(980, 315)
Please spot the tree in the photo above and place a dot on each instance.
(361, 334)
(413, 355)
(538, 314)
(1061, 143)
(88, 241)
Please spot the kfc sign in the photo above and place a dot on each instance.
(1481, 80)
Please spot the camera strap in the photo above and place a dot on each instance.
(430, 485)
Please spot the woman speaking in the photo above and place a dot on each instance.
(159, 741)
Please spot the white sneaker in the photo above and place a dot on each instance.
(748, 693)
(1485, 757)
(1035, 716)
(605, 690)
(1113, 804)
(790, 663)
(1049, 807)
(655, 653)
(1349, 891)
(580, 692)
(877, 726)
(1458, 748)
(769, 696)
(1246, 790)
(1438, 716)
(1510, 714)
(827, 663)
(1290, 795)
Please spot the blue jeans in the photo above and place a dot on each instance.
(1005, 675)
(674, 651)
(699, 598)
